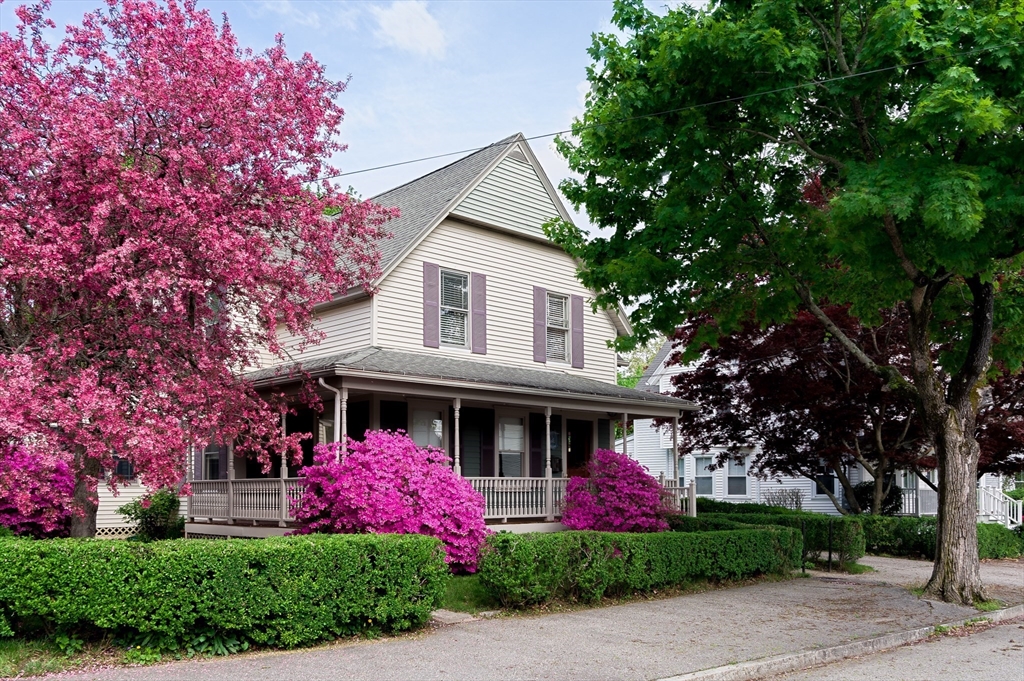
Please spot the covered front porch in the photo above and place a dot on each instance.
(516, 435)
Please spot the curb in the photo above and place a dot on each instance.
(790, 662)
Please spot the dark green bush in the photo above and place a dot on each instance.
(282, 591)
(915, 537)
(865, 495)
(525, 569)
(5, 532)
(706, 505)
(703, 523)
(847, 532)
(1017, 493)
(156, 516)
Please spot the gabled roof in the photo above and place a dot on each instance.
(654, 369)
(425, 201)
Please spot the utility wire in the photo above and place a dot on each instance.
(692, 107)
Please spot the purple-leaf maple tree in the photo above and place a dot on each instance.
(814, 411)
(160, 217)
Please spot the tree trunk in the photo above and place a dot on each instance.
(956, 576)
(86, 497)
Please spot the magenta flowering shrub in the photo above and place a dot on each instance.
(389, 484)
(619, 496)
(35, 492)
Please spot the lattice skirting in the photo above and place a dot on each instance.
(121, 532)
(194, 535)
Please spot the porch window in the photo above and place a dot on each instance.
(703, 476)
(557, 328)
(737, 478)
(454, 308)
(511, 445)
(211, 462)
(427, 427)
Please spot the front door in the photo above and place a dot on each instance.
(579, 445)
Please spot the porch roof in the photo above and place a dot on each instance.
(397, 365)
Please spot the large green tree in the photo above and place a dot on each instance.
(763, 157)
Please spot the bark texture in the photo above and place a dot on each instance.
(86, 498)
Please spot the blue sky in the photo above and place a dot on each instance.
(427, 77)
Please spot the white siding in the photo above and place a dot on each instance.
(645, 447)
(347, 327)
(513, 266)
(107, 516)
(511, 196)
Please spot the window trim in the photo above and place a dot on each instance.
(567, 329)
(709, 474)
(745, 476)
(441, 307)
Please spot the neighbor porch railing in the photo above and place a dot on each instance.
(993, 505)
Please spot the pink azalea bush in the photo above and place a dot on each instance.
(35, 492)
(619, 496)
(389, 484)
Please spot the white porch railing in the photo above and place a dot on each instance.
(994, 506)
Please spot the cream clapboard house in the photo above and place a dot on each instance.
(479, 339)
(651, 445)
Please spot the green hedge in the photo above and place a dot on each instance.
(708, 505)
(526, 569)
(704, 523)
(847, 532)
(915, 537)
(1017, 493)
(282, 591)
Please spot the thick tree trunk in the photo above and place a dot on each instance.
(86, 498)
(956, 576)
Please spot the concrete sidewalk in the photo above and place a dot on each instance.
(642, 640)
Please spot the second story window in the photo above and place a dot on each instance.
(557, 328)
(454, 308)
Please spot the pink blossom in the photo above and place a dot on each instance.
(619, 496)
(160, 218)
(388, 484)
(35, 492)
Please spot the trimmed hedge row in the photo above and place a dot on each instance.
(916, 537)
(848, 543)
(527, 569)
(281, 591)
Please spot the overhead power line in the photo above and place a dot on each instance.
(692, 107)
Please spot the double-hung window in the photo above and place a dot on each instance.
(703, 475)
(454, 308)
(557, 328)
(736, 482)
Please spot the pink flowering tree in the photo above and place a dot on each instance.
(389, 484)
(35, 492)
(619, 496)
(160, 217)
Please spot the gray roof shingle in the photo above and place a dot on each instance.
(397, 363)
(423, 200)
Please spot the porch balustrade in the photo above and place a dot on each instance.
(260, 500)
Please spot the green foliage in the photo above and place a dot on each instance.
(703, 523)
(155, 515)
(865, 495)
(466, 593)
(526, 569)
(915, 537)
(5, 532)
(217, 596)
(847, 532)
(708, 505)
(1017, 493)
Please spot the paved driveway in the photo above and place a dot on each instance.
(643, 640)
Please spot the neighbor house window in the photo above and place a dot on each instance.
(558, 328)
(124, 468)
(737, 478)
(454, 308)
(511, 445)
(705, 483)
(826, 478)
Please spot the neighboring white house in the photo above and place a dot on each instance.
(651, 445)
(478, 339)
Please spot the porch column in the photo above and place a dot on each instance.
(283, 511)
(341, 419)
(548, 484)
(625, 431)
(675, 461)
(458, 465)
(231, 482)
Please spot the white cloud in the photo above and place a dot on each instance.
(320, 15)
(409, 26)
